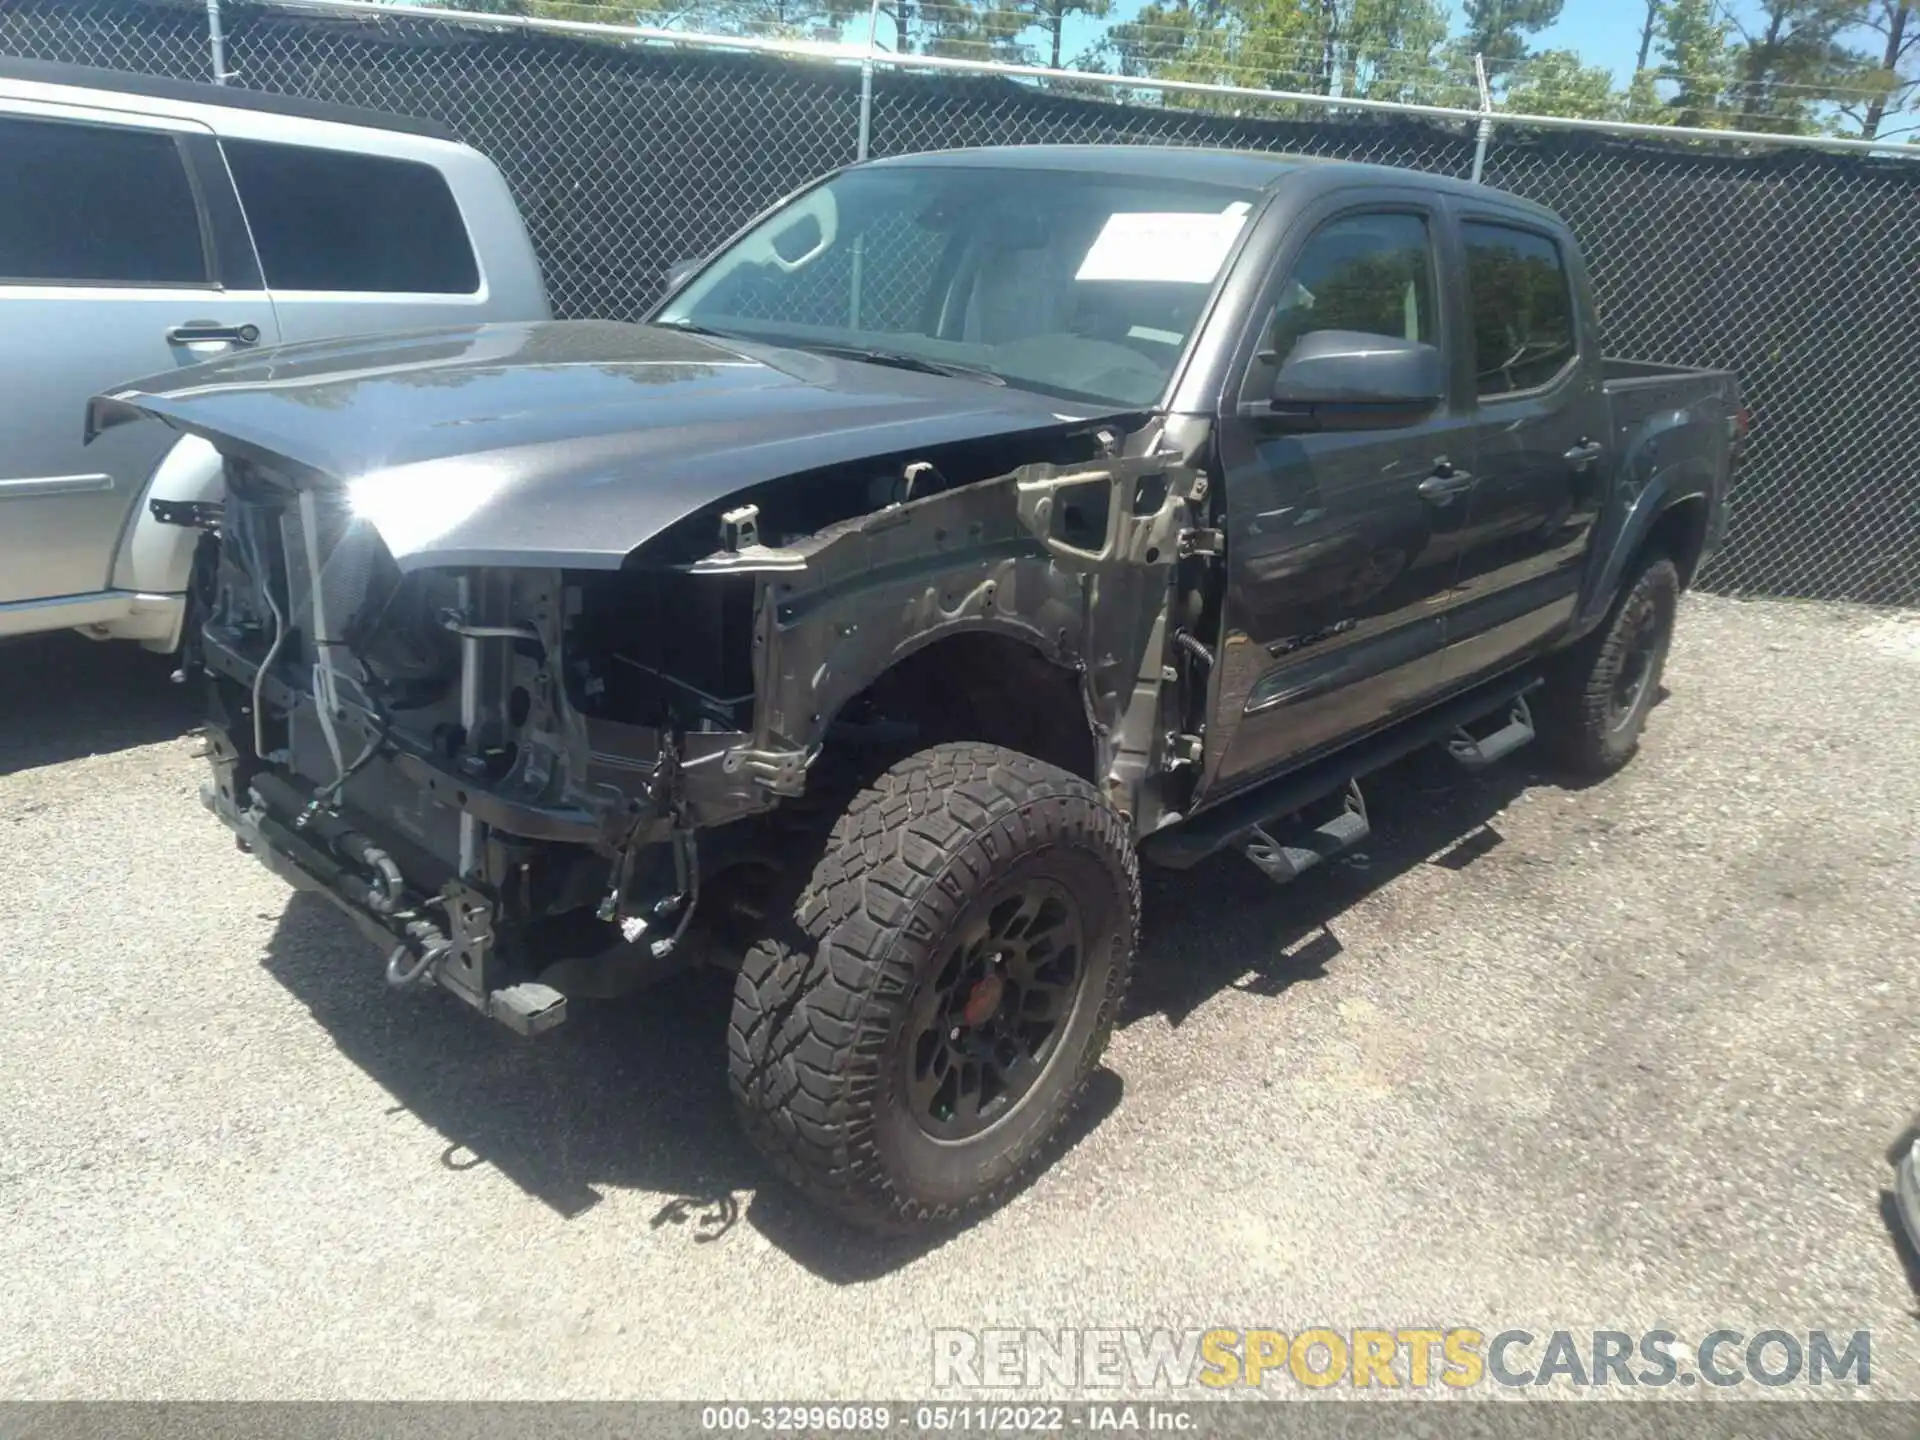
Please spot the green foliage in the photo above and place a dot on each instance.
(1378, 49)
(1793, 66)
(803, 18)
(1498, 29)
(960, 29)
(1050, 18)
(1791, 59)
(1891, 87)
(1697, 49)
(1556, 83)
(1642, 103)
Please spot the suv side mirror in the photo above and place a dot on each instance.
(1349, 380)
(681, 271)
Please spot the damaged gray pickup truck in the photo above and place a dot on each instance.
(968, 528)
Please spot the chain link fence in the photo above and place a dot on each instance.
(1796, 268)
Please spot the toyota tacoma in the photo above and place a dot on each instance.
(967, 530)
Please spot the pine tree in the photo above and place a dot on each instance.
(1791, 61)
(1554, 82)
(1896, 25)
(1050, 18)
(1649, 24)
(1700, 59)
(1498, 29)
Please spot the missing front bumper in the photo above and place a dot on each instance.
(444, 940)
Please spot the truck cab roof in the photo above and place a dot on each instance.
(1265, 170)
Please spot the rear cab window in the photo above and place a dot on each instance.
(332, 220)
(1525, 335)
(92, 204)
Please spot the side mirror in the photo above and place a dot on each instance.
(681, 271)
(1349, 380)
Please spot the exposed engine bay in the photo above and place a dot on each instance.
(520, 781)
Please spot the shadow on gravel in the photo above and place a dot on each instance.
(69, 697)
(1225, 925)
(633, 1093)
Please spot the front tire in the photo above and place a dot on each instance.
(1596, 699)
(906, 1045)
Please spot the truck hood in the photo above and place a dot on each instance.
(563, 443)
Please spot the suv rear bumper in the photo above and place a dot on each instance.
(153, 620)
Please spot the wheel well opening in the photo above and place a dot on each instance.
(977, 686)
(1680, 533)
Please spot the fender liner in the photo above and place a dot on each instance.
(1687, 479)
(158, 558)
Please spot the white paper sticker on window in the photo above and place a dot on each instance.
(1161, 246)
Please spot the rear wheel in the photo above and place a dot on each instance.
(1595, 703)
(906, 1045)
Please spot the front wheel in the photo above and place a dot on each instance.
(1597, 696)
(904, 1048)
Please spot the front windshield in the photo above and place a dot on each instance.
(1071, 283)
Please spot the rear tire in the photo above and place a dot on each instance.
(907, 1042)
(1595, 702)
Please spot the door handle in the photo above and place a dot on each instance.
(1585, 453)
(1445, 483)
(195, 332)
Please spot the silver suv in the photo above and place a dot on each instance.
(149, 224)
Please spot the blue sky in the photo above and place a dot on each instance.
(1602, 31)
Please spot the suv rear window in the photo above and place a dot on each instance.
(1523, 331)
(94, 204)
(331, 220)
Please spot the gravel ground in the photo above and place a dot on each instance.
(1623, 1057)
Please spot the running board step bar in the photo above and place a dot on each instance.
(1284, 860)
(1478, 752)
(1186, 841)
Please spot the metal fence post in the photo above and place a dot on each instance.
(216, 43)
(866, 81)
(1485, 132)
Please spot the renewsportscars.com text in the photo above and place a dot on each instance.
(1402, 1357)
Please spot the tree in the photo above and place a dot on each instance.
(1649, 23)
(1700, 58)
(1360, 48)
(1497, 29)
(1050, 16)
(1386, 48)
(1643, 104)
(1160, 39)
(754, 17)
(1554, 82)
(1893, 84)
(1791, 62)
(961, 29)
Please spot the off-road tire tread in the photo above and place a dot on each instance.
(814, 999)
(1574, 703)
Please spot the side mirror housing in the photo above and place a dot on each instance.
(1349, 380)
(681, 271)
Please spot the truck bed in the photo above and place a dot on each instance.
(1646, 397)
(1633, 374)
